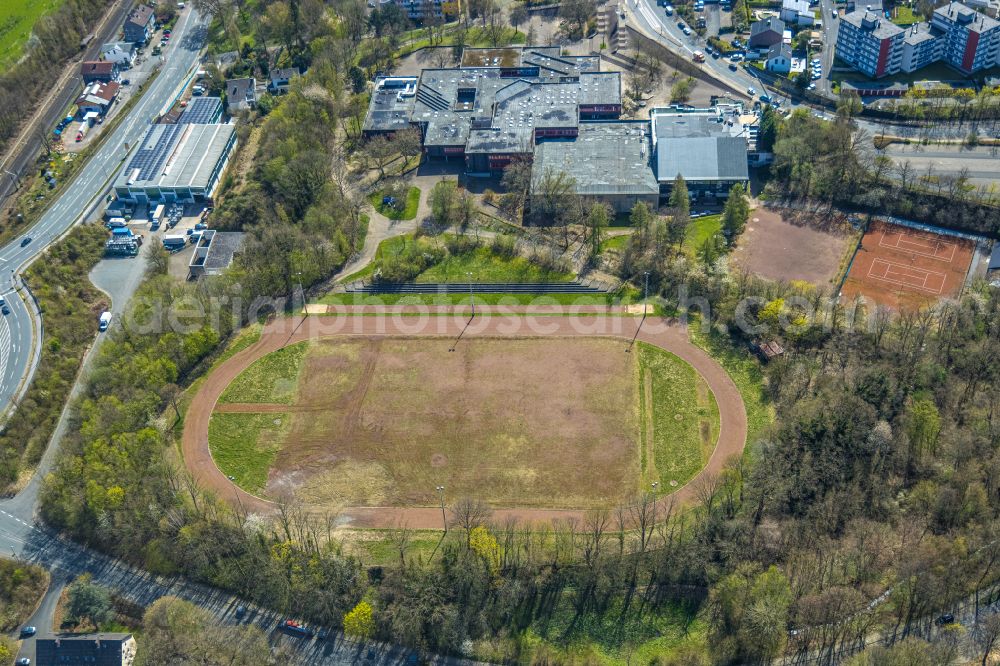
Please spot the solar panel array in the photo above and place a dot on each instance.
(153, 153)
(201, 111)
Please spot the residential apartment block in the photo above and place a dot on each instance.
(960, 36)
(420, 11)
(969, 39)
(870, 43)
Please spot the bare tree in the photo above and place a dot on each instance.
(469, 514)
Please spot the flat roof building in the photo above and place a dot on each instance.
(91, 649)
(609, 161)
(488, 115)
(177, 163)
(707, 147)
(214, 252)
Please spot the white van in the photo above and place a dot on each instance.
(104, 321)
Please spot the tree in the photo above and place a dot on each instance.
(768, 133)
(178, 632)
(575, 14)
(736, 212)
(444, 203)
(518, 15)
(749, 610)
(408, 143)
(681, 90)
(679, 198)
(554, 200)
(923, 426)
(378, 154)
(359, 622)
(87, 601)
(597, 221)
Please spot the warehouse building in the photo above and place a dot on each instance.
(177, 163)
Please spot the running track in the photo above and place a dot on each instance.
(283, 331)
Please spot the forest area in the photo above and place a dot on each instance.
(875, 479)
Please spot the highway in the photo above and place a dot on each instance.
(17, 351)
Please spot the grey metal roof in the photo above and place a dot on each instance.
(702, 158)
(772, 23)
(777, 50)
(995, 257)
(177, 156)
(605, 159)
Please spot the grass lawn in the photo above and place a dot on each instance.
(407, 213)
(382, 422)
(905, 16)
(746, 373)
(377, 548)
(486, 266)
(699, 230)
(615, 242)
(684, 419)
(272, 378)
(651, 637)
(17, 19)
(479, 299)
(244, 445)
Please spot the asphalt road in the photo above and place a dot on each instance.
(981, 163)
(87, 188)
(653, 21)
(22, 155)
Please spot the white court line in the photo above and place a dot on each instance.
(921, 287)
(938, 244)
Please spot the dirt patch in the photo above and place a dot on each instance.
(908, 268)
(529, 422)
(793, 246)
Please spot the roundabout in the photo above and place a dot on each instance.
(543, 418)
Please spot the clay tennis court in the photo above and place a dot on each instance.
(908, 268)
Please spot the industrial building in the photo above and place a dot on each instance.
(957, 35)
(179, 162)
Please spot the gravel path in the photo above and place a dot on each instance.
(281, 332)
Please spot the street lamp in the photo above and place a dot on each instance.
(444, 520)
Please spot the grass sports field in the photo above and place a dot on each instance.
(532, 422)
(17, 18)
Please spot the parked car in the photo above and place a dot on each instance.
(947, 618)
(23, 661)
(811, 86)
(27, 632)
(294, 628)
(241, 612)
